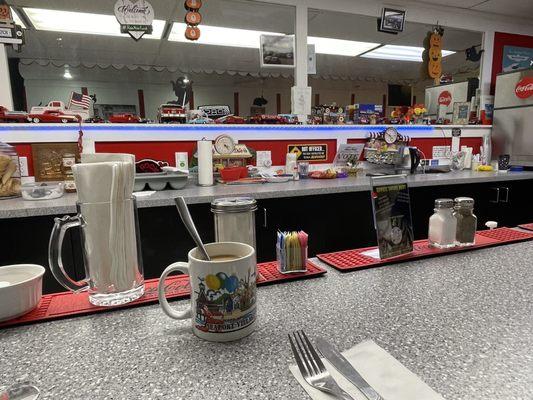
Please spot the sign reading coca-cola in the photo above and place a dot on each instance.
(524, 87)
(445, 98)
(135, 17)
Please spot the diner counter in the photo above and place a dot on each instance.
(461, 322)
(17, 208)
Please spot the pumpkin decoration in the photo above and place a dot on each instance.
(192, 18)
(434, 53)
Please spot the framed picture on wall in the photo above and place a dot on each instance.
(48, 160)
(461, 113)
(277, 51)
(392, 20)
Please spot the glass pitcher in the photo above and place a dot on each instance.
(111, 252)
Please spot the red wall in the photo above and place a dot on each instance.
(165, 150)
(425, 145)
(279, 148)
(505, 39)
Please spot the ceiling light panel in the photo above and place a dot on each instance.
(220, 36)
(340, 47)
(400, 53)
(86, 23)
(17, 19)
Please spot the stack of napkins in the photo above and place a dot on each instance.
(382, 371)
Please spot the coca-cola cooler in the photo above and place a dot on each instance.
(439, 99)
(512, 131)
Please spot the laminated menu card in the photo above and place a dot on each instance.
(392, 216)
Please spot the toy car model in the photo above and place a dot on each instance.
(57, 105)
(53, 116)
(201, 120)
(230, 119)
(12, 116)
(125, 118)
(292, 119)
(171, 113)
(267, 119)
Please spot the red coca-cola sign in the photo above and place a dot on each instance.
(445, 98)
(524, 88)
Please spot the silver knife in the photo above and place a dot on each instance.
(346, 369)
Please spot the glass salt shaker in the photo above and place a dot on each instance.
(442, 225)
(466, 221)
(235, 219)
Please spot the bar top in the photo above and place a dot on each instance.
(17, 208)
(461, 322)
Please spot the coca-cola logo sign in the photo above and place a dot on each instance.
(524, 88)
(445, 98)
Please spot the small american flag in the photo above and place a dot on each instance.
(80, 100)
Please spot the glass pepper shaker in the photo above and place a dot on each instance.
(466, 221)
(442, 225)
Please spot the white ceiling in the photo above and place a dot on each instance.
(510, 8)
(75, 48)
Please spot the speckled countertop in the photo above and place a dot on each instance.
(462, 322)
(16, 208)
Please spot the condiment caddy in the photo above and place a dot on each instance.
(291, 251)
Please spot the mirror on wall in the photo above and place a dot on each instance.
(357, 64)
(76, 46)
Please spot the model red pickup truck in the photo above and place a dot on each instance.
(125, 118)
(12, 116)
(53, 116)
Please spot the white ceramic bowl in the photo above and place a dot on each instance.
(21, 288)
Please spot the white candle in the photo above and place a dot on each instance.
(205, 163)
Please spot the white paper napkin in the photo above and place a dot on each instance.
(381, 370)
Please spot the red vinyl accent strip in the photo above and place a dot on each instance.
(527, 227)
(350, 260)
(67, 304)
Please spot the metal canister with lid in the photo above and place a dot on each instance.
(235, 219)
(466, 221)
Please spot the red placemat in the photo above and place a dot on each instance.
(354, 259)
(527, 227)
(68, 304)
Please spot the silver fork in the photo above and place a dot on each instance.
(312, 368)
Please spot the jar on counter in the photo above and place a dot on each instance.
(235, 219)
(67, 162)
(10, 185)
(466, 221)
(443, 225)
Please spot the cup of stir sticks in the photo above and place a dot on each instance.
(291, 251)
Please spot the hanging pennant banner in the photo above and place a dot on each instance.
(135, 17)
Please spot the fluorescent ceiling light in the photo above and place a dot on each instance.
(77, 22)
(17, 19)
(340, 47)
(400, 53)
(220, 36)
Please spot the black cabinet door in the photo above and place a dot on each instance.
(164, 238)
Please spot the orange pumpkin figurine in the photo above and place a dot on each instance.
(193, 5)
(193, 18)
(192, 33)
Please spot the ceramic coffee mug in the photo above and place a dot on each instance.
(223, 291)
